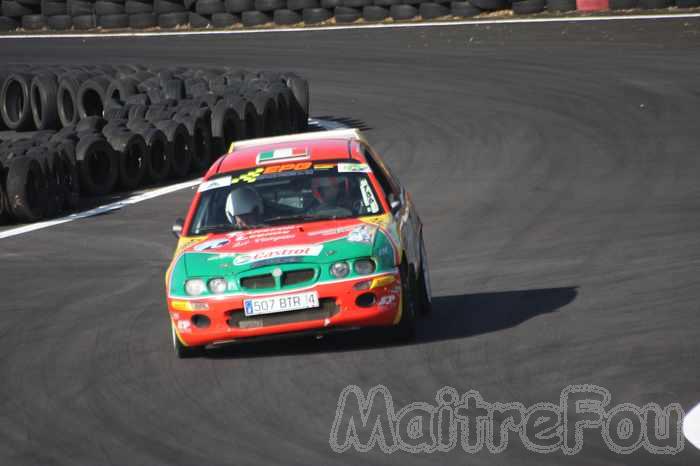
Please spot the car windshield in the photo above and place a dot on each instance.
(284, 194)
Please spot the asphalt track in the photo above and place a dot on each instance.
(556, 168)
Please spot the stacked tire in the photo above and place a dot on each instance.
(92, 130)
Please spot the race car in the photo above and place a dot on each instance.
(296, 235)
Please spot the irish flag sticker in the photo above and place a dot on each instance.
(279, 155)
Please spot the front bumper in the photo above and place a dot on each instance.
(224, 320)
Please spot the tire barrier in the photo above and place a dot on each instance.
(72, 131)
(62, 15)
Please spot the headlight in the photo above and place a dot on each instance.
(195, 287)
(364, 266)
(340, 269)
(217, 285)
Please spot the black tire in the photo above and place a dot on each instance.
(80, 8)
(424, 295)
(119, 90)
(171, 20)
(653, 4)
(8, 24)
(491, 5)
(15, 105)
(91, 96)
(433, 10)
(199, 130)
(375, 13)
(14, 9)
(316, 15)
(226, 125)
(224, 20)
(300, 104)
(98, 165)
(286, 17)
(239, 6)
(60, 22)
(330, 4)
(166, 6)
(302, 4)
(33, 22)
(42, 94)
(182, 351)
(179, 147)
(26, 189)
(70, 183)
(50, 164)
(269, 5)
(687, 3)
(463, 9)
(198, 21)
(209, 7)
(174, 89)
(345, 14)
(132, 7)
(93, 123)
(132, 154)
(84, 22)
(105, 7)
(158, 160)
(405, 329)
(623, 4)
(255, 18)
(120, 21)
(356, 3)
(67, 99)
(528, 7)
(561, 5)
(54, 8)
(267, 119)
(403, 12)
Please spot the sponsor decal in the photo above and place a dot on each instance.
(353, 168)
(362, 234)
(213, 244)
(289, 153)
(387, 300)
(214, 184)
(248, 177)
(332, 231)
(274, 253)
(287, 167)
(323, 166)
(367, 196)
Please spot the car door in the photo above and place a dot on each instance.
(404, 215)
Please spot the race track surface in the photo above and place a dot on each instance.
(556, 168)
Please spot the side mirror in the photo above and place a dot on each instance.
(177, 227)
(394, 204)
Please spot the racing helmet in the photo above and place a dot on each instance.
(329, 188)
(243, 201)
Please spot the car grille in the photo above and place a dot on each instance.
(294, 277)
(327, 308)
(257, 282)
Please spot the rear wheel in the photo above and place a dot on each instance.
(183, 351)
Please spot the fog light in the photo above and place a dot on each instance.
(201, 321)
(359, 286)
(365, 300)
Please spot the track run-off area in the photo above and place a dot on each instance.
(555, 167)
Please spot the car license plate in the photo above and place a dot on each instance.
(280, 303)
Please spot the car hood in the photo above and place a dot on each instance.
(313, 242)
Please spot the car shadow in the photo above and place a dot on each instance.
(327, 122)
(453, 317)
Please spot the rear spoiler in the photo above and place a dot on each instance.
(349, 134)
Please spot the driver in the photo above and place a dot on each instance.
(244, 207)
(330, 191)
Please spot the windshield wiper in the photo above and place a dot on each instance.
(305, 218)
(218, 228)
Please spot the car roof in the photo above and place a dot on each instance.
(313, 147)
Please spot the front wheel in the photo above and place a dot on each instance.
(182, 351)
(405, 330)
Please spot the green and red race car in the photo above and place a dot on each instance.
(293, 235)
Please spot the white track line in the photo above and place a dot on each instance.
(569, 19)
(99, 210)
(691, 426)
